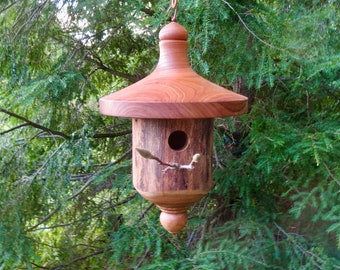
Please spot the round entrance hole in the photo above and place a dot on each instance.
(178, 140)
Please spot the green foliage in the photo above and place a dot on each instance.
(66, 197)
(248, 244)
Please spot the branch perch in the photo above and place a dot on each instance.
(170, 166)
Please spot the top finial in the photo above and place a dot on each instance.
(173, 31)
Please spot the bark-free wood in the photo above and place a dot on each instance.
(173, 191)
(172, 110)
(173, 90)
(173, 223)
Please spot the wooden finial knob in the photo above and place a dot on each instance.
(173, 223)
(173, 31)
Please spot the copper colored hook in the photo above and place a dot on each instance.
(174, 4)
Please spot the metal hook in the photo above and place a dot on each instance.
(173, 5)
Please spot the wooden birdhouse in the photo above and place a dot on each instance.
(173, 111)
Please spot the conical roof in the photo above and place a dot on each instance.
(173, 90)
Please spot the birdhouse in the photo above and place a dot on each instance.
(173, 111)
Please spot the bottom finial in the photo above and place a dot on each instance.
(173, 223)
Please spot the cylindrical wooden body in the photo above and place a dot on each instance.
(172, 141)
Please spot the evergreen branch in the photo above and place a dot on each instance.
(300, 247)
(248, 29)
(98, 252)
(217, 160)
(331, 174)
(62, 225)
(18, 150)
(238, 254)
(112, 206)
(80, 191)
(36, 125)
(142, 259)
(56, 132)
(332, 91)
(43, 135)
(112, 135)
(34, 13)
(44, 219)
(8, 6)
(39, 266)
(46, 162)
(122, 157)
(82, 177)
(88, 182)
(148, 11)
(14, 128)
(102, 66)
(126, 200)
(20, 13)
(95, 136)
(146, 211)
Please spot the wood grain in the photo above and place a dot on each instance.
(173, 98)
(172, 191)
(173, 90)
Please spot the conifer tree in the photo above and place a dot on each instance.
(66, 197)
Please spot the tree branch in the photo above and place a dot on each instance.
(88, 182)
(112, 135)
(301, 248)
(8, 6)
(56, 132)
(39, 266)
(44, 219)
(35, 12)
(111, 206)
(249, 30)
(14, 128)
(146, 211)
(47, 217)
(38, 171)
(142, 259)
(36, 125)
(101, 65)
(98, 252)
(148, 11)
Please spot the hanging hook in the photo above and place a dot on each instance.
(174, 3)
(173, 6)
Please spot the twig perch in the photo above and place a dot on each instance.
(170, 166)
